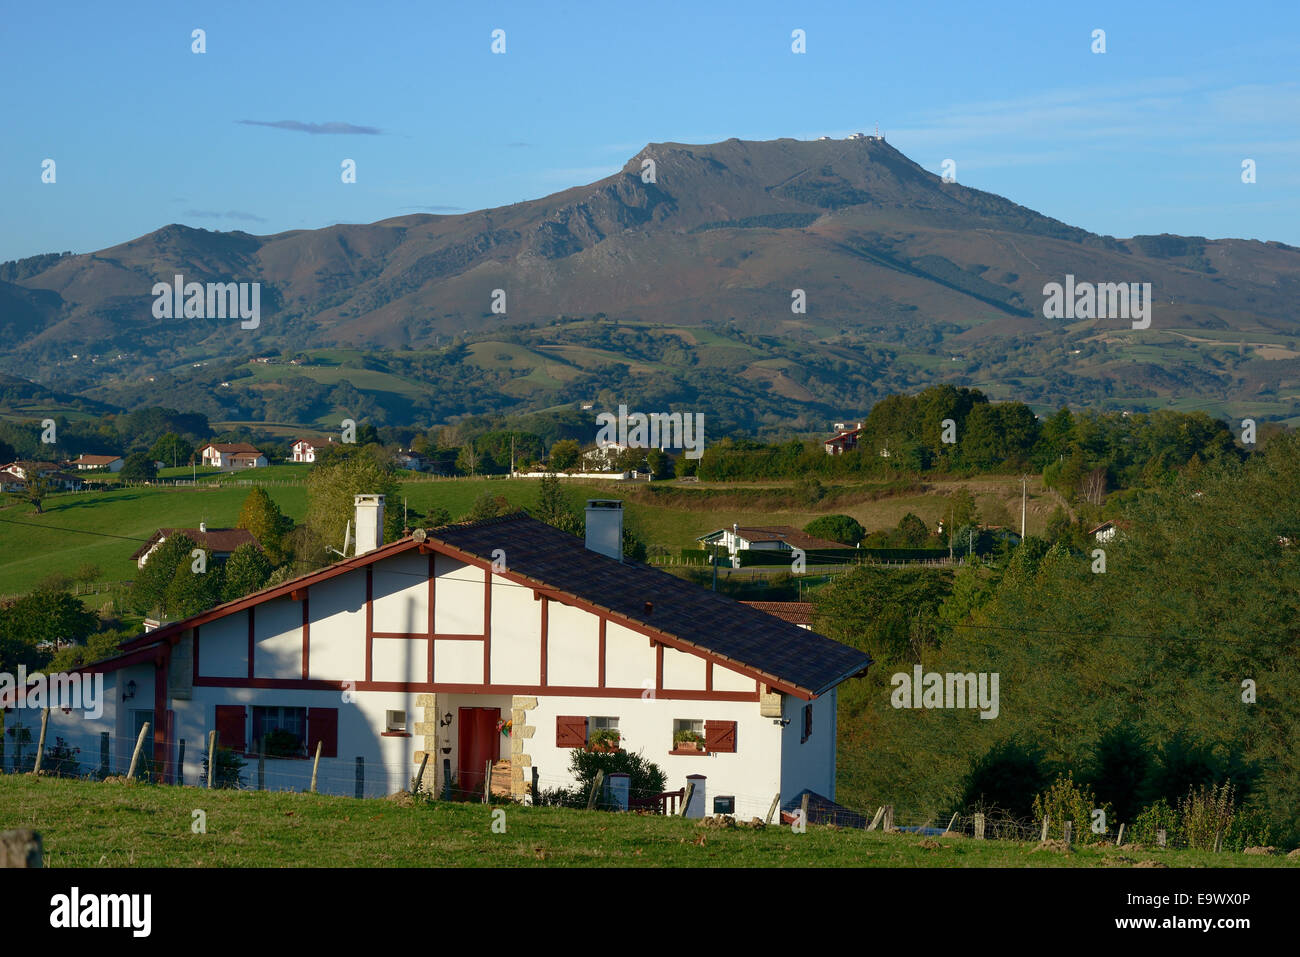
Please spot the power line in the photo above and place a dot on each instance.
(75, 531)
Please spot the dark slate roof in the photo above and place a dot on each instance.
(695, 615)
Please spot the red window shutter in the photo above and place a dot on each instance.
(720, 736)
(230, 726)
(323, 726)
(570, 731)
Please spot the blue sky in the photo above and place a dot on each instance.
(1148, 137)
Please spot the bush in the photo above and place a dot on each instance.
(844, 529)
(229, 769)
(61, 760)
(1006, 778)
(1154, 818)
(644, 777)
(1067, 801)
(1204, 813)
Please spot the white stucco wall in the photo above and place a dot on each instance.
(809, 764)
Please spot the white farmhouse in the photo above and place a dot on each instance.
(428, 645)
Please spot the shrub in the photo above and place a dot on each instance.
(1006, 778)
(1204, 813)
(1154, 818)
(61, 760)
(229, 769)
(1067, 801)
(644, 777)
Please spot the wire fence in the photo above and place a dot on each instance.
(366, 777)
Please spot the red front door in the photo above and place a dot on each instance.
(480, 742)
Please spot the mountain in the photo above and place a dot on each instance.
(681, 282)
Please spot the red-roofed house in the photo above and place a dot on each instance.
(113, 463)
(219, 541)
(232, 455)
(423, 650)
(844, 439)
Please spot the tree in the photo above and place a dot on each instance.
(467, 460)
(565, 455)
(844, 529)
(487, 506)
(262, 518)
(912, 532)
(149, 589)
(332, 488)
(659, 463)
(190, 591)
(139, 467)
(247, 570)
(41, 616)
(553, 507)
(172, 449)
(36, 491)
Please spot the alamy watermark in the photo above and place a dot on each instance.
(214, 300)
(952, 690)
(72, 692)
(657, 430)
(1104, 300)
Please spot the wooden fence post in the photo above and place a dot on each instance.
(537, 781)
(979, 827)
(103, 754)
(180, 763)
(776, 799)
(1160, 837)
(40, 744)
(135, 757)
(1218, 840)
(487, 782)
(1069, 832)
(212, 757)
(803, 810)
(949, 830)
(595, 789)
(1043, 837)
(889, 818)
(315, 766)
(361, 777)
(1119, 838)
(261, 764)
(416, 785)
(880, 813)
(686, 798)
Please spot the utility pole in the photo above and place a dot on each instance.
(1023, 494)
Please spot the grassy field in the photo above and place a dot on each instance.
(105, 528)
(109, 824)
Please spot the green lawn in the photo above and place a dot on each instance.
(110, 824)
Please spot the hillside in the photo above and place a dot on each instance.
(679, 291)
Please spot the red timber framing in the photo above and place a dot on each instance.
(299, 590)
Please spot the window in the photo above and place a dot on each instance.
(603, 733)
(395, 720)
(688, 735)
(283, 729)
(807, 723)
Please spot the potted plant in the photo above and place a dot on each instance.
(604, 739)
(687, 740)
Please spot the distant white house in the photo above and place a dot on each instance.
(786, 538)
(844, 440)
(1108, 530)
(113, 463)
(304, 450)
(221, 542)
(232, 455)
